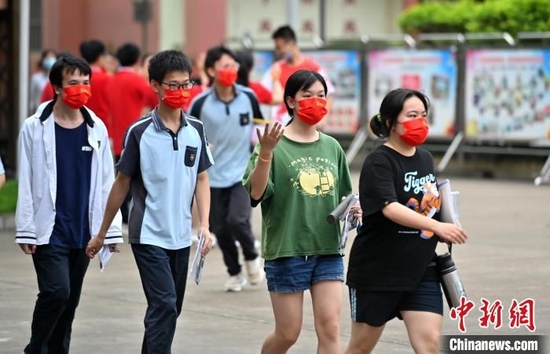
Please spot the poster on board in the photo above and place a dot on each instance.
(432, 72)
(343, 68)
(508, 94)
(262, 63)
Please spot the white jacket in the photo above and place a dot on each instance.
(35, 214)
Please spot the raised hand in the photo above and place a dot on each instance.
(269, 139)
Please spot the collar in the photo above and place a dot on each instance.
(236, 88)
(48, 110)
(159, 125)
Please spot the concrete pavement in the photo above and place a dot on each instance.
(506, 258)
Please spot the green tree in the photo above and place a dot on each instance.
(463, 16)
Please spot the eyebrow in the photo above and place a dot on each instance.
(309, 91)
(415, 111)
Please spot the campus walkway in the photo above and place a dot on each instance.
(507, 258)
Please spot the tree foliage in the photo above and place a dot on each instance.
(464, 16)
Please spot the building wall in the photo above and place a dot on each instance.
(172, 24)
(344, 19)
(68, 22)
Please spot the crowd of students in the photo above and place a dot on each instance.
(176, 141)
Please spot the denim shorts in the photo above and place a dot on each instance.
(375, 308)
(296, 274)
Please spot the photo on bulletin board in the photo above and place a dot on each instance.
(433, 72)
(343, 68)
(262, 63)
(508, 94)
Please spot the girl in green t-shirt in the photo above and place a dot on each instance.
(299, 175)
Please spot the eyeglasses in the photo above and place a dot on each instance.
(173, 86)
(230, 66)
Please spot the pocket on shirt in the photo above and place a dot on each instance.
(245, 119)
(190, 156)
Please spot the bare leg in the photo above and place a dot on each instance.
(424, 329)
(363, 338)
(327, 302)
(288, 312)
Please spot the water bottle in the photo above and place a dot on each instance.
(450, 280)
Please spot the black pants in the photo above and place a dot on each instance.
(60, 272)
(230, 212)
(163, 277)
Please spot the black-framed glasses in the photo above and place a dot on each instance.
(173, 86)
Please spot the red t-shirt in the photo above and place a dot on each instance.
(126, 99)
(288, 69)
(98, 102)
(47, 93)
(151, 99)
(264, 95)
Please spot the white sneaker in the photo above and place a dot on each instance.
(255, 271)
(235, 283)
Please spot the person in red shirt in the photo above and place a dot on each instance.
(93, 51)
(291, 61)
(151, 98)
(265, 96)
(126, 94)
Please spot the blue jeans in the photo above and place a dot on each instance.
(163, 277)
(296, 274)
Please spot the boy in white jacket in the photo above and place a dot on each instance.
(65, 174)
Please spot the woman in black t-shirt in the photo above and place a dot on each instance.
(391, 270)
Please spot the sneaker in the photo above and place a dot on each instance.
(235, 283)
(255, 271)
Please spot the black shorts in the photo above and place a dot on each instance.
(375, 308)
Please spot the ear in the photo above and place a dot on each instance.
(57, 90)
(155, 86)
(211, 72)
(291, 102)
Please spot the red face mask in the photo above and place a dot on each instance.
(227, 76)
(415, 131)
(176, 99)
(76, 96)
(312, 110)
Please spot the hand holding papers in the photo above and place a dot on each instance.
(345, 211)
(198, 261)
(449, 203)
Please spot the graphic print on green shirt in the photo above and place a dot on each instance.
(306, 182)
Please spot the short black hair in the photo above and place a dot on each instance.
(91, 50)
(284, 32)
(69, 64)
(301, 80)
(214, 54)
(382, 123)
(168, 61)
(128, 54)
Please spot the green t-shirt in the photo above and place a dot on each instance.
(306, 182)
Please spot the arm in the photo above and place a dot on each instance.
(25, 233)
(202, 195)
(2, 180)
(402, 215)
(277, 91)
(114, 232)
(260, 174)
(116, 198)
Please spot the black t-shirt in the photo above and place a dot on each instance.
(386, 256)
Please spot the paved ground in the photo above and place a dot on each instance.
(507, 258)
